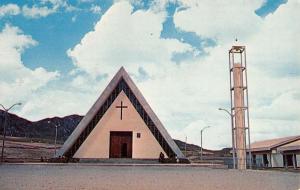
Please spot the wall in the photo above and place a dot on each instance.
(277, 160)
(298, 160)
(260, 159)
(97, 143)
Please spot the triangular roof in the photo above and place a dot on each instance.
(120, 82)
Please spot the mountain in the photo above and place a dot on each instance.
(42, 129)
(45, 130)
(193, 149)
(189, 147)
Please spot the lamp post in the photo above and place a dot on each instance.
(201, 151)
(4, 126)
(55, 139)
(185, 145)
(232, 134)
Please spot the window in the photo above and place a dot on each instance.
(138, 135)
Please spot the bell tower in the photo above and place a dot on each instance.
(239, 106)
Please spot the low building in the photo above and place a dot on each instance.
(280, 152)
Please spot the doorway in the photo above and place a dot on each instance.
(265, 160)
(120, 144)
(289, 160)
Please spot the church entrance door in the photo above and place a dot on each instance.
(120, 144)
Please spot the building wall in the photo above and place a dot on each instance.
(269, 160)
(97, 143)
(298, 160)
(277, 160)
(260, 159)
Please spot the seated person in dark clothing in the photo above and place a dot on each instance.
(161, 157)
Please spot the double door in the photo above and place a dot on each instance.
(120, 144)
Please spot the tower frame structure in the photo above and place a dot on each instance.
(239, 107)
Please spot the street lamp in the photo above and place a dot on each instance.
(185, 145)
(55, 139)
(201, 153)
(4, 126)
(232, 133)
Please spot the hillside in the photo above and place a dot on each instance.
(20, 127)
(42, 130)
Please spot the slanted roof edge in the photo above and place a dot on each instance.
(97, 105)
(90, 114)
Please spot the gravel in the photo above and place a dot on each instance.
(95, 176)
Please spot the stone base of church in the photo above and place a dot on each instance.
(130, 161)
(118, 161)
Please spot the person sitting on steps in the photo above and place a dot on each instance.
(161, 157)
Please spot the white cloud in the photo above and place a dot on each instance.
(277, 45)
(56, 4)
(86, 1)
(192, 132)
(30, 12)
(17, 82)
(275, 61)
(106, 48)
(95, 9)
(74, 18)
(36, 12)
(220, 20)
(9, 9)
(68, 94)
(51, 98)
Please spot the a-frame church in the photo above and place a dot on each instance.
(120, 124)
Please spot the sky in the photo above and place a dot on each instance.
(57, 56)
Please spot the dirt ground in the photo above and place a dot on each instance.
(23, 150)
(95, 176)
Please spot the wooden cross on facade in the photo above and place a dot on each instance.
(121, 107)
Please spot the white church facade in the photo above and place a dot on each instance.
(120, 124)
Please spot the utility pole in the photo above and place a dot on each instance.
(55, 139)
(201, 150)
(232, 134)
(4, 126)
(185, 145)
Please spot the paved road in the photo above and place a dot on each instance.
(91, 176)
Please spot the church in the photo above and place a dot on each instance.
(120, 124)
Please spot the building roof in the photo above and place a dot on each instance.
(101, 104)
(290, 146)
(267, 145)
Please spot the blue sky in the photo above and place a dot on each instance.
(63, 52)
(57, 33)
